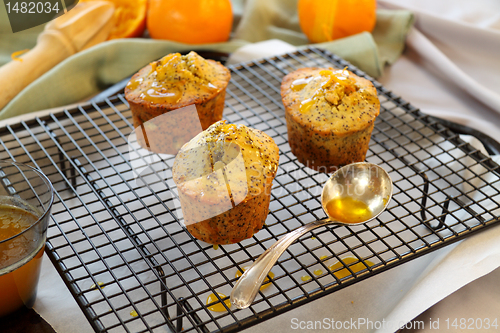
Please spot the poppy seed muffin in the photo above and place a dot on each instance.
(224, 177)
(173, 82)
(330, 116)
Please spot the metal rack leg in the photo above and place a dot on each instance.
(135, 240)
(189, 310)
(423, 203)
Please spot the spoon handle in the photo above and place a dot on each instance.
(248, 285)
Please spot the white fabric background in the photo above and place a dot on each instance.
(453, 64)
(450, 69)
(467, 33)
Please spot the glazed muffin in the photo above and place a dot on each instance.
(330, 116)
(224, 177)
(170, 84)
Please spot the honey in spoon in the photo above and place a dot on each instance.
(372, 187)
(348, 210)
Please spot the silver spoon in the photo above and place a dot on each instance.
(368, 189)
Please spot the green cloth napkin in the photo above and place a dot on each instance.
(88, 72)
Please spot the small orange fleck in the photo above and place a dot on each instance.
(99, 285)
(16, 54)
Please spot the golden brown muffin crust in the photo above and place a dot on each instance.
(224, 177)
(160, 96)
(330, 100)
(176, 81)
(330, 115)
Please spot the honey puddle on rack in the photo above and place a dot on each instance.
(344, 272)
(219, 307)
(99, 285)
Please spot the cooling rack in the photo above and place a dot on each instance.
(117, 241)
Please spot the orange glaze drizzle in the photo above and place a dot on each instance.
(159, 95)
(333, 77)
(15, 55)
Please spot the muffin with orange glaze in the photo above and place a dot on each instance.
(173, 82)
(330, 115)
(224, 177)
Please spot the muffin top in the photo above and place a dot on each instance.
(178, 80)
(226, 157)
(330, 100)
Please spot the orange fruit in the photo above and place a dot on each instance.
(130, 18)
(326, 20)
(190, 21)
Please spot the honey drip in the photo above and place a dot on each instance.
(306, 105)
(161, 95)
(359, 266)
(340, 77)
(348, 210)
(218, 307)
(100, 285)
(168, 79)
(300, 84)
(344, 272)
(133, 84)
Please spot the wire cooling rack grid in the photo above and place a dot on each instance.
(116, 240)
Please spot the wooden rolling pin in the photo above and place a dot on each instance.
(86, 25)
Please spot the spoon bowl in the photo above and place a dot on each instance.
(355, 194)
(364, 183)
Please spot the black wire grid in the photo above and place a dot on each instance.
(116, 240)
